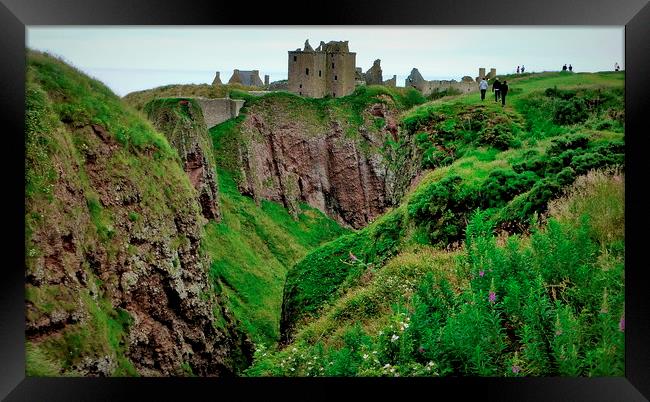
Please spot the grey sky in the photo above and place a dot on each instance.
(134, 58)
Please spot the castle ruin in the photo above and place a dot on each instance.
(415, 80)
(328, 70)
(249, 78)
(217, 79)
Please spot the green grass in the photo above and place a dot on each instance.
(556, 306)
(251, 250)
(82, 100)
(512, 180)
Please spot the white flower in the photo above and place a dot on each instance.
(294, 350)
(387, 366)
(406, 325)
(394, 338)
(365, 356)
(392, 370)
(293, 369)
(374, 352)
(381, 332)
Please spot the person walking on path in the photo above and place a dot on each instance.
(496, 86)
(504, 92)
(616, 67)
(483, 86)
(570, 68)
(564, 67)
(517, 69)
(522, 68)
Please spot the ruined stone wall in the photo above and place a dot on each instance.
(441, 85)
(391, 82)
(310, 84)
(374, 74)
(341, 74)
(217, 111)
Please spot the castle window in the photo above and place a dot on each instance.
(306, 71)
(336, 78)
(300, 92)
(300, 85)
(332, 65)
(319, 73)
(295, 58)
(333, 94)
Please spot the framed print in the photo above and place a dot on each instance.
(392, 198)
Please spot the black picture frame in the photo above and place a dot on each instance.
(15, 15)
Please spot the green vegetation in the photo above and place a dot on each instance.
(509, 163)
(547, 303)
(102, 334)
(251, 250)
(72, 123)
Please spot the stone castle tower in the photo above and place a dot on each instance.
(328, 70)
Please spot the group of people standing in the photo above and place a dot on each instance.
(522, 69)
(564, 67)
(500, 90)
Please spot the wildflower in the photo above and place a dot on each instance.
(394, 338)
(294, 350)
(406, 325)
(421, 349)
(374, 352)
(516, 369)
(365, 356)
(621, 323)
(293, 369)
(492, 297)
(381, 332)
(387, 366)
(481, 273)
(353, 257)
(392, 370)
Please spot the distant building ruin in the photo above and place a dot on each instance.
(248, 78)
(415, 80)
(490, 75)
(328, 70)
(217, 79)
(374, 74)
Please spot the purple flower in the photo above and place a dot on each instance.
(421, 349)
(621, 324)
(516, 369)
(481, 273)
(492, 297)
(353, 257)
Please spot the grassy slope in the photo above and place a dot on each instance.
(335, 291)
(251, 250)
(56, 93)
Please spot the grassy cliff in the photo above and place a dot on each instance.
(473, 273)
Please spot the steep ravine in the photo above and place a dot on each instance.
(116, 281)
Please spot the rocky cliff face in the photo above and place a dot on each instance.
(116, 281)
(321, 158)
(183, 124)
